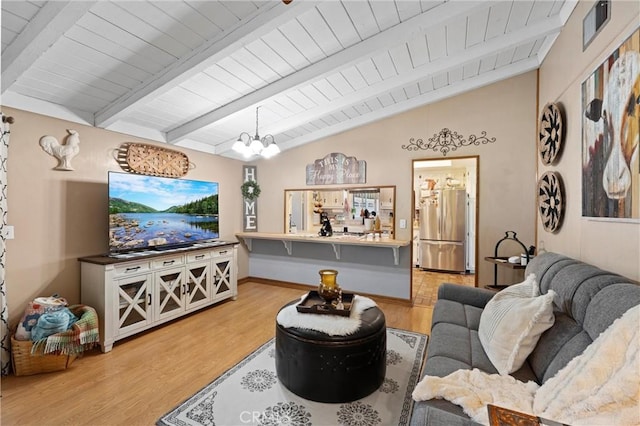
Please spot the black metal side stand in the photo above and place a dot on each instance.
(504, 261)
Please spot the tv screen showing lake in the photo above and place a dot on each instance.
(157, 212)
(138, 230)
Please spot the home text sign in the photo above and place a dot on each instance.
(336, 168)
(250, 207)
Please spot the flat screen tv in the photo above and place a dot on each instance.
(150, 212)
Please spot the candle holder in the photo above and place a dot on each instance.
(328, 290)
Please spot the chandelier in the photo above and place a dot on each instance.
(249, 146)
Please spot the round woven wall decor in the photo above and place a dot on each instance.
(550, 137)
(551, 201)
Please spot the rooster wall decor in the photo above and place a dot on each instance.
(64, 153)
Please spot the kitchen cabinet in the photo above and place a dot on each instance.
(332, 199)
(386, 198)
(343, 206)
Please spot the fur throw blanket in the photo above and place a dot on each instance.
(333, 325)
(601, 386)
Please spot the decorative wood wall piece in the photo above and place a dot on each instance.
(336, 168)
(447, 140)
(551, 201)
(550, 127)
(152, 160)
(250, 205)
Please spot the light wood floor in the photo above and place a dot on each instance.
(149, 374)
(425, 284)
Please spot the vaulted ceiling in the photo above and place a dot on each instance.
(192, 73)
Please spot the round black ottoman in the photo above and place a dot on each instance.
(325, 368)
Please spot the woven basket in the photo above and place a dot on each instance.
(25, 364)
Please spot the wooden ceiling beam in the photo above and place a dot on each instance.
(433, 96)
(511, 40)
(264, 20)
(342, 59)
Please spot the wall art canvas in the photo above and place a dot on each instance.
(610, 135)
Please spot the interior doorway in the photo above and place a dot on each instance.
(445, 218)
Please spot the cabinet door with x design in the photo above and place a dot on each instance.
(198, 284)
(224, 275)
(170, 299)
(133, 304)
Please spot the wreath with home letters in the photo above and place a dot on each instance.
(250, 190)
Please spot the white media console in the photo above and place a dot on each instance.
(134, 292)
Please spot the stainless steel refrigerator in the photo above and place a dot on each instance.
(443, 230)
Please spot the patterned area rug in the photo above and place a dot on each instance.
(250, 394)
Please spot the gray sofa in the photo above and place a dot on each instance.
(588, 300)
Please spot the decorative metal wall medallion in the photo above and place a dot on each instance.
(551, 201)
(447, 140)
(550, 127)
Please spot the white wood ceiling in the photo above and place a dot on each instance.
(191, 73)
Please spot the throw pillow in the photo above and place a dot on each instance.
(527, 288)
(512, 322)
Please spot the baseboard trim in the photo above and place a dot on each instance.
(306, 287)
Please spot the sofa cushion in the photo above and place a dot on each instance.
(471, 296)
(588, 300)
(512, 323)
(439, 412)
(452, 347)
(450, 312)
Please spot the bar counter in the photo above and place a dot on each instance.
(376, 267)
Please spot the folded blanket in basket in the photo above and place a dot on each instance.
(52, 323)
(82, 335)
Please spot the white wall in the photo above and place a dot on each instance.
(506, 197)
(60, 216)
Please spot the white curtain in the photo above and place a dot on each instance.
(5, 352)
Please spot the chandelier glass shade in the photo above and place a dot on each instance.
(249, 146)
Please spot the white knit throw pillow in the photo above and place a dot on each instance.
(512, 322)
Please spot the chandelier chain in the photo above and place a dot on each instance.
(257, 108)
(249, 146)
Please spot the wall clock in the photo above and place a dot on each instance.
(550, 133)
(551, 201)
